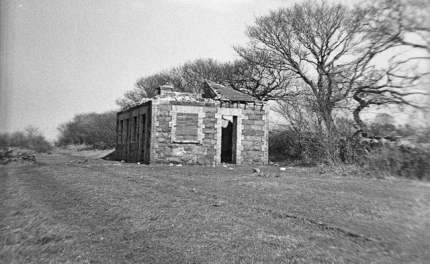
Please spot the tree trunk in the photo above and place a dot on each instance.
(358, 121)
(356, 113)
(328, 120)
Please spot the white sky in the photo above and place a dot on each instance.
(63, 57)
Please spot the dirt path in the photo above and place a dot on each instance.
(73, 209)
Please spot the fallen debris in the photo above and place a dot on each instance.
(9, 155)
(269, 175)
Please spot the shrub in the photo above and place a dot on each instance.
(96, 131)
(18, 139)
(312, 148)
(400, 161)
(39, 144)
(31, 139)
(284, 145)
(4, 140)
(76, 147)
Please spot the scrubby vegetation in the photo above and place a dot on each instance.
(411, 163)
(89, 131)
(406, 155)
(30, 138)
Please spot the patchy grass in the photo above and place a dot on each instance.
(81, 209)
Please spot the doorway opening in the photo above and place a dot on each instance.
(228, 139)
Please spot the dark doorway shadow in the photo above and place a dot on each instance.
(227, 143)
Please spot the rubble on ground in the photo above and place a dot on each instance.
(10, 155)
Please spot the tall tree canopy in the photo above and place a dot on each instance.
(332, 54)
(398, 33)
(242, 75)
(314, 42)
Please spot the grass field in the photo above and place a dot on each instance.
(82, 209)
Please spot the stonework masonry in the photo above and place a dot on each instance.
(189, 129)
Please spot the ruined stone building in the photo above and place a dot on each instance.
(220, 125)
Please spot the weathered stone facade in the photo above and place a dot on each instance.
(190, 129)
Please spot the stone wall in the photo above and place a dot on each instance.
(254, 137)
(132, 141)
(189, 132)
(184, 132)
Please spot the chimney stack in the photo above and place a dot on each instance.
(165, 89)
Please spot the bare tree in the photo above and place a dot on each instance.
(242, 75)
(194, 72)
(146, 87)
(185, 78)
(334, 55)
(32, 132)
(314, 42)
(406, 22)
(299, 115)
(400, 29)
(261, 82)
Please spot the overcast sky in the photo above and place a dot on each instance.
(63, 57)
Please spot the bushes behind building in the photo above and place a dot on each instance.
(312, 148)
(408, 156)
(91, 130)
(407, 162)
